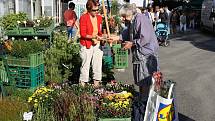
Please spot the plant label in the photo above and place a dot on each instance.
(27, 116)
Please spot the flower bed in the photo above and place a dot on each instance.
(61, 102)
(115, 101)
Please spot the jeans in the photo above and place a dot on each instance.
(71, 32)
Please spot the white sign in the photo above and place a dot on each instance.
(139, 3)
(27, 116)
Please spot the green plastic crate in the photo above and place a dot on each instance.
(3, 73)
(12, 31)
(43, 31)
(26, 77)
(32, 60)
(120, 57)
(26, 30)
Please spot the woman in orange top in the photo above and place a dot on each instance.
(91, 32)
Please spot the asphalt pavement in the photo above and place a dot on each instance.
(190, 62)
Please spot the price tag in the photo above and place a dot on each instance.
(27, 116)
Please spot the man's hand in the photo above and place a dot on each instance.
(127, 45)
(113, 38)
(98, 38)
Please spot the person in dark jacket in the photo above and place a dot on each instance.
(144, 45)
(163, 16)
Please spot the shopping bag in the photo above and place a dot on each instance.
(159, 108)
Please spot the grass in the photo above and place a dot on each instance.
(12, 109)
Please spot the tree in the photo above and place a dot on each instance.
(115, 7)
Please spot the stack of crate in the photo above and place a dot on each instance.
(26, 72)
(3, 73)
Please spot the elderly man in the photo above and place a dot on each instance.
(144, 46)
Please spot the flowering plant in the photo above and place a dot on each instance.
(115, 101)
(12, 20)
(45, 21)
(117, 105)
(41, 95)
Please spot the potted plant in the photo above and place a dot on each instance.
(115, 102)
(44, 25)
(25, 63)
(26, 53)
(26, 27)
(10, 22)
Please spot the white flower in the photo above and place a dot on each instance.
(25, 39)
(13, 38)
(36, 38)
(18, 22)
(38, 21)
(24, 22)
(124, 92)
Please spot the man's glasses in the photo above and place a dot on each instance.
(95, 10)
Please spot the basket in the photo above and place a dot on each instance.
(120, 57)
(26, 77)
(12, 31)
(43, 31)
(26, 30)
(32, 60)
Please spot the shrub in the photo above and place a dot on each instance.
(18, 93)
(61, 59)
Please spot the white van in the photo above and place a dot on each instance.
(208, 15)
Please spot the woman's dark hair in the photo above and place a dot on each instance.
(72, 5)
(91, 3)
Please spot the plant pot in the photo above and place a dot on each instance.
(32, 60)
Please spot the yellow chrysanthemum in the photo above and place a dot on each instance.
(124, 106)
(35, 105)
(29, 99)
(35, 100)
(126, 102)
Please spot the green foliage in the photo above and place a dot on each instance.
(64, 105)
(115, 7)
(78, 89)
(114, 23)
(71, 107)
(18, 93)
(44, 21)
(21, 48)
(44, 113)
(42, 102)
(12, 109)
(61, 58)
(11, 20)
